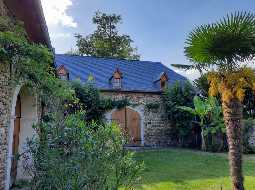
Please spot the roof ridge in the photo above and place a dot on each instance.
(108, 58)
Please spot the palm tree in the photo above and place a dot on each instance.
(224, 49)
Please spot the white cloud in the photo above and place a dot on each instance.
(55, 12)
(190, 74)
(60, 35)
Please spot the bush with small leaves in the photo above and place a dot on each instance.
(73, 154)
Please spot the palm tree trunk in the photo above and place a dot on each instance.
(232, 111)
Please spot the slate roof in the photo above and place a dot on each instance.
(137, 75)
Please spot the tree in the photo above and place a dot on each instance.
(203, 108)
(106, 41)
(202, 85)
(173, 97)
(249, 104)
(224, 48)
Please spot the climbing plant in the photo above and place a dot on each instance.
(88, 98)
(29, 63)
(173, 97)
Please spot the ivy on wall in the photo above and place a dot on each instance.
(29, 62)
(152, 106)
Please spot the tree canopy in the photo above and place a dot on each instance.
(106, 41)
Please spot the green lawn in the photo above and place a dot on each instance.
(179, 169)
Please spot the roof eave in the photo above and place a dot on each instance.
(31, 13)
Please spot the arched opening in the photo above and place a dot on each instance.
(130, 123)
(24, 115)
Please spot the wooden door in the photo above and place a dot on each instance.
(15, 143)
(130, 123)
(133, 126)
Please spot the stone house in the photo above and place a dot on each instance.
(141, 82)
(19, 108)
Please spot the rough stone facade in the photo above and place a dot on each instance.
(156, 128)
(3, 9)
(8, 88)
(5, 104)
(5, 116)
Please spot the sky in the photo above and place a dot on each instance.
(158, 28)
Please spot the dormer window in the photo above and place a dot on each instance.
(116, 79)
(162, 84)
(163, 81)
(63, 73)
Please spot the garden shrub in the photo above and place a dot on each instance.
(247, 132)
(152, 106)
(215, 130)
(89, 99)
(210, 119)
(173, 97)
(74, 154)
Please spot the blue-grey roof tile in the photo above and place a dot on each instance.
(137, 75)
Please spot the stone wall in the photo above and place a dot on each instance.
(156, 129)
(5, 116)
(5, 112)
(3, 9)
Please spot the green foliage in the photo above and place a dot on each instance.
(225, 43)
(152, 106)
(202, 108)
(249, 104)
(30, 63)
(224, 48)
(211, 119)
(119, 104)
(8, 24)
(247, 132)
(106, 40)
(202, 85)
(88, 99)
(74, 154)
(173, 97)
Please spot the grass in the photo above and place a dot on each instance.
(178, 169)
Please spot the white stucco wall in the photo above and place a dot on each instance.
(28, 118)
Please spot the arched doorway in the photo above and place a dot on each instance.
(130, 123)
(24, 115)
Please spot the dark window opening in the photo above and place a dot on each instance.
(162, 84)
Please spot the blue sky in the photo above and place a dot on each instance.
(158, 27)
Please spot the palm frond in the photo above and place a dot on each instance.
(229, 41)
(182, 66)
(188, 67)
